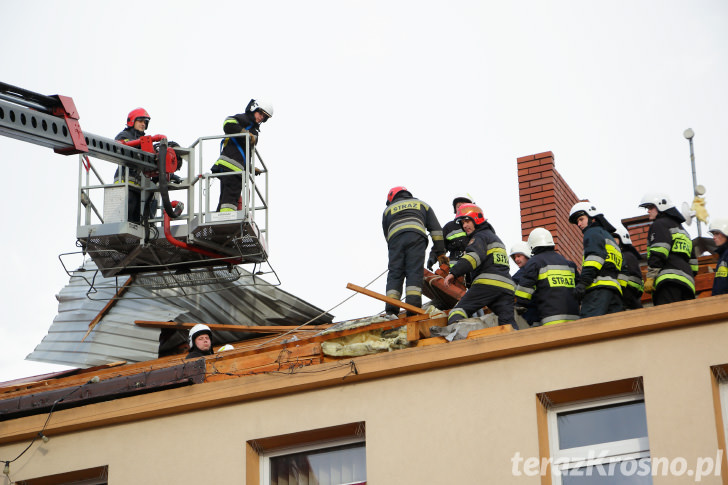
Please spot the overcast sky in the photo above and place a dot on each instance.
(439, 97)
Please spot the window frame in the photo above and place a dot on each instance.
(590, 455)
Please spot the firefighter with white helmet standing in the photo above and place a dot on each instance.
(547, 281)
(671, 267)
(598, 288)
(406, 222)
(719, 230)
(486, 260)
(631, 275)
(233, 154)
(520, 253)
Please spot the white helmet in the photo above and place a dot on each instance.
(661, 201)
(719, 225)
(622, 233)
(461, 198)
(195, 331)
(540, 238)
(521, 247)
(582, 208)
(263, 106)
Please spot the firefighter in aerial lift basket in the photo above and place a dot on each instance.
(233, 155)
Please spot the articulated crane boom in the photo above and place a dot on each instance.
(196, 246)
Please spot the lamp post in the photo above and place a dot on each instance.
(698, 190)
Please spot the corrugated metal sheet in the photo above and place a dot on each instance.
(247, 301)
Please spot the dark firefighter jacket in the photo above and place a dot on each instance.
(720, 281)
(670, 251)
(485, 260)
(631, 276)
(548, 280)
(128, 134)
(602, 259)
(407, 214)
(455, 241)
(233, 156)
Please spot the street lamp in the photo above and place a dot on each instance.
(698, 190)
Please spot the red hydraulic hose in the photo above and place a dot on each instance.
(184, 245)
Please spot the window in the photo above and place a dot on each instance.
(603, 442)
(337, 464)
(327, 456)
(89, 476)
(595, 434)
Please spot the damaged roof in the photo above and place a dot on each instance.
(88, 297)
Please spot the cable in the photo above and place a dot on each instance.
(273, 339)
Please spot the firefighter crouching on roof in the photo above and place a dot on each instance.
(547, 281)
(455, 237)
(233, 156)
(598, 288)
(405, 223)
(719, 230)
(487, 262)
(671, 266)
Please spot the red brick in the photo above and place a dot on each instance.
(544, 155)
(525, 212)
(525, 198)
(543, 181)
(544, 167)
(538, 202)
(526, 178)
(525, 159)
(530, 190)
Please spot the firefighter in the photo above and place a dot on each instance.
(520, 254)
(598, 288)
(455, 237)
(137, 121)
(719, 230)
(547, 281)
(486, 260)
(671, 267)
(233, 154)
(631, 275)
(200, 341)
(405, 223)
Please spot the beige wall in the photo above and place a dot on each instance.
(459, 424)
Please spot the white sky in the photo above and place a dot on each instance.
(439, 97)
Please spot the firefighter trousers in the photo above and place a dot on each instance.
(406, 263)
(499, 300)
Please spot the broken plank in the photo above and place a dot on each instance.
(231, 328)
(386, 299)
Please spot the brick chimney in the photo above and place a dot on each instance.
(546, 200)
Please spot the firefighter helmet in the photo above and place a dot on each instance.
(540, 237)
(461, 198)
(622, 233)
(582, 208)
(393, 193)
(719, 225)
(521, 247)
(661, 201)
(263, 106)
(472, 212)
(136, 114)
(196, 331)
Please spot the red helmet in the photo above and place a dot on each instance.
(135, 114)
(393, 192)
(470, 211)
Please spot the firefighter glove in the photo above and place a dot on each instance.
(442, 259)
(579, 291)
(649, 285)
(431, 261)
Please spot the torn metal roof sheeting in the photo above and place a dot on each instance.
(247, 301)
